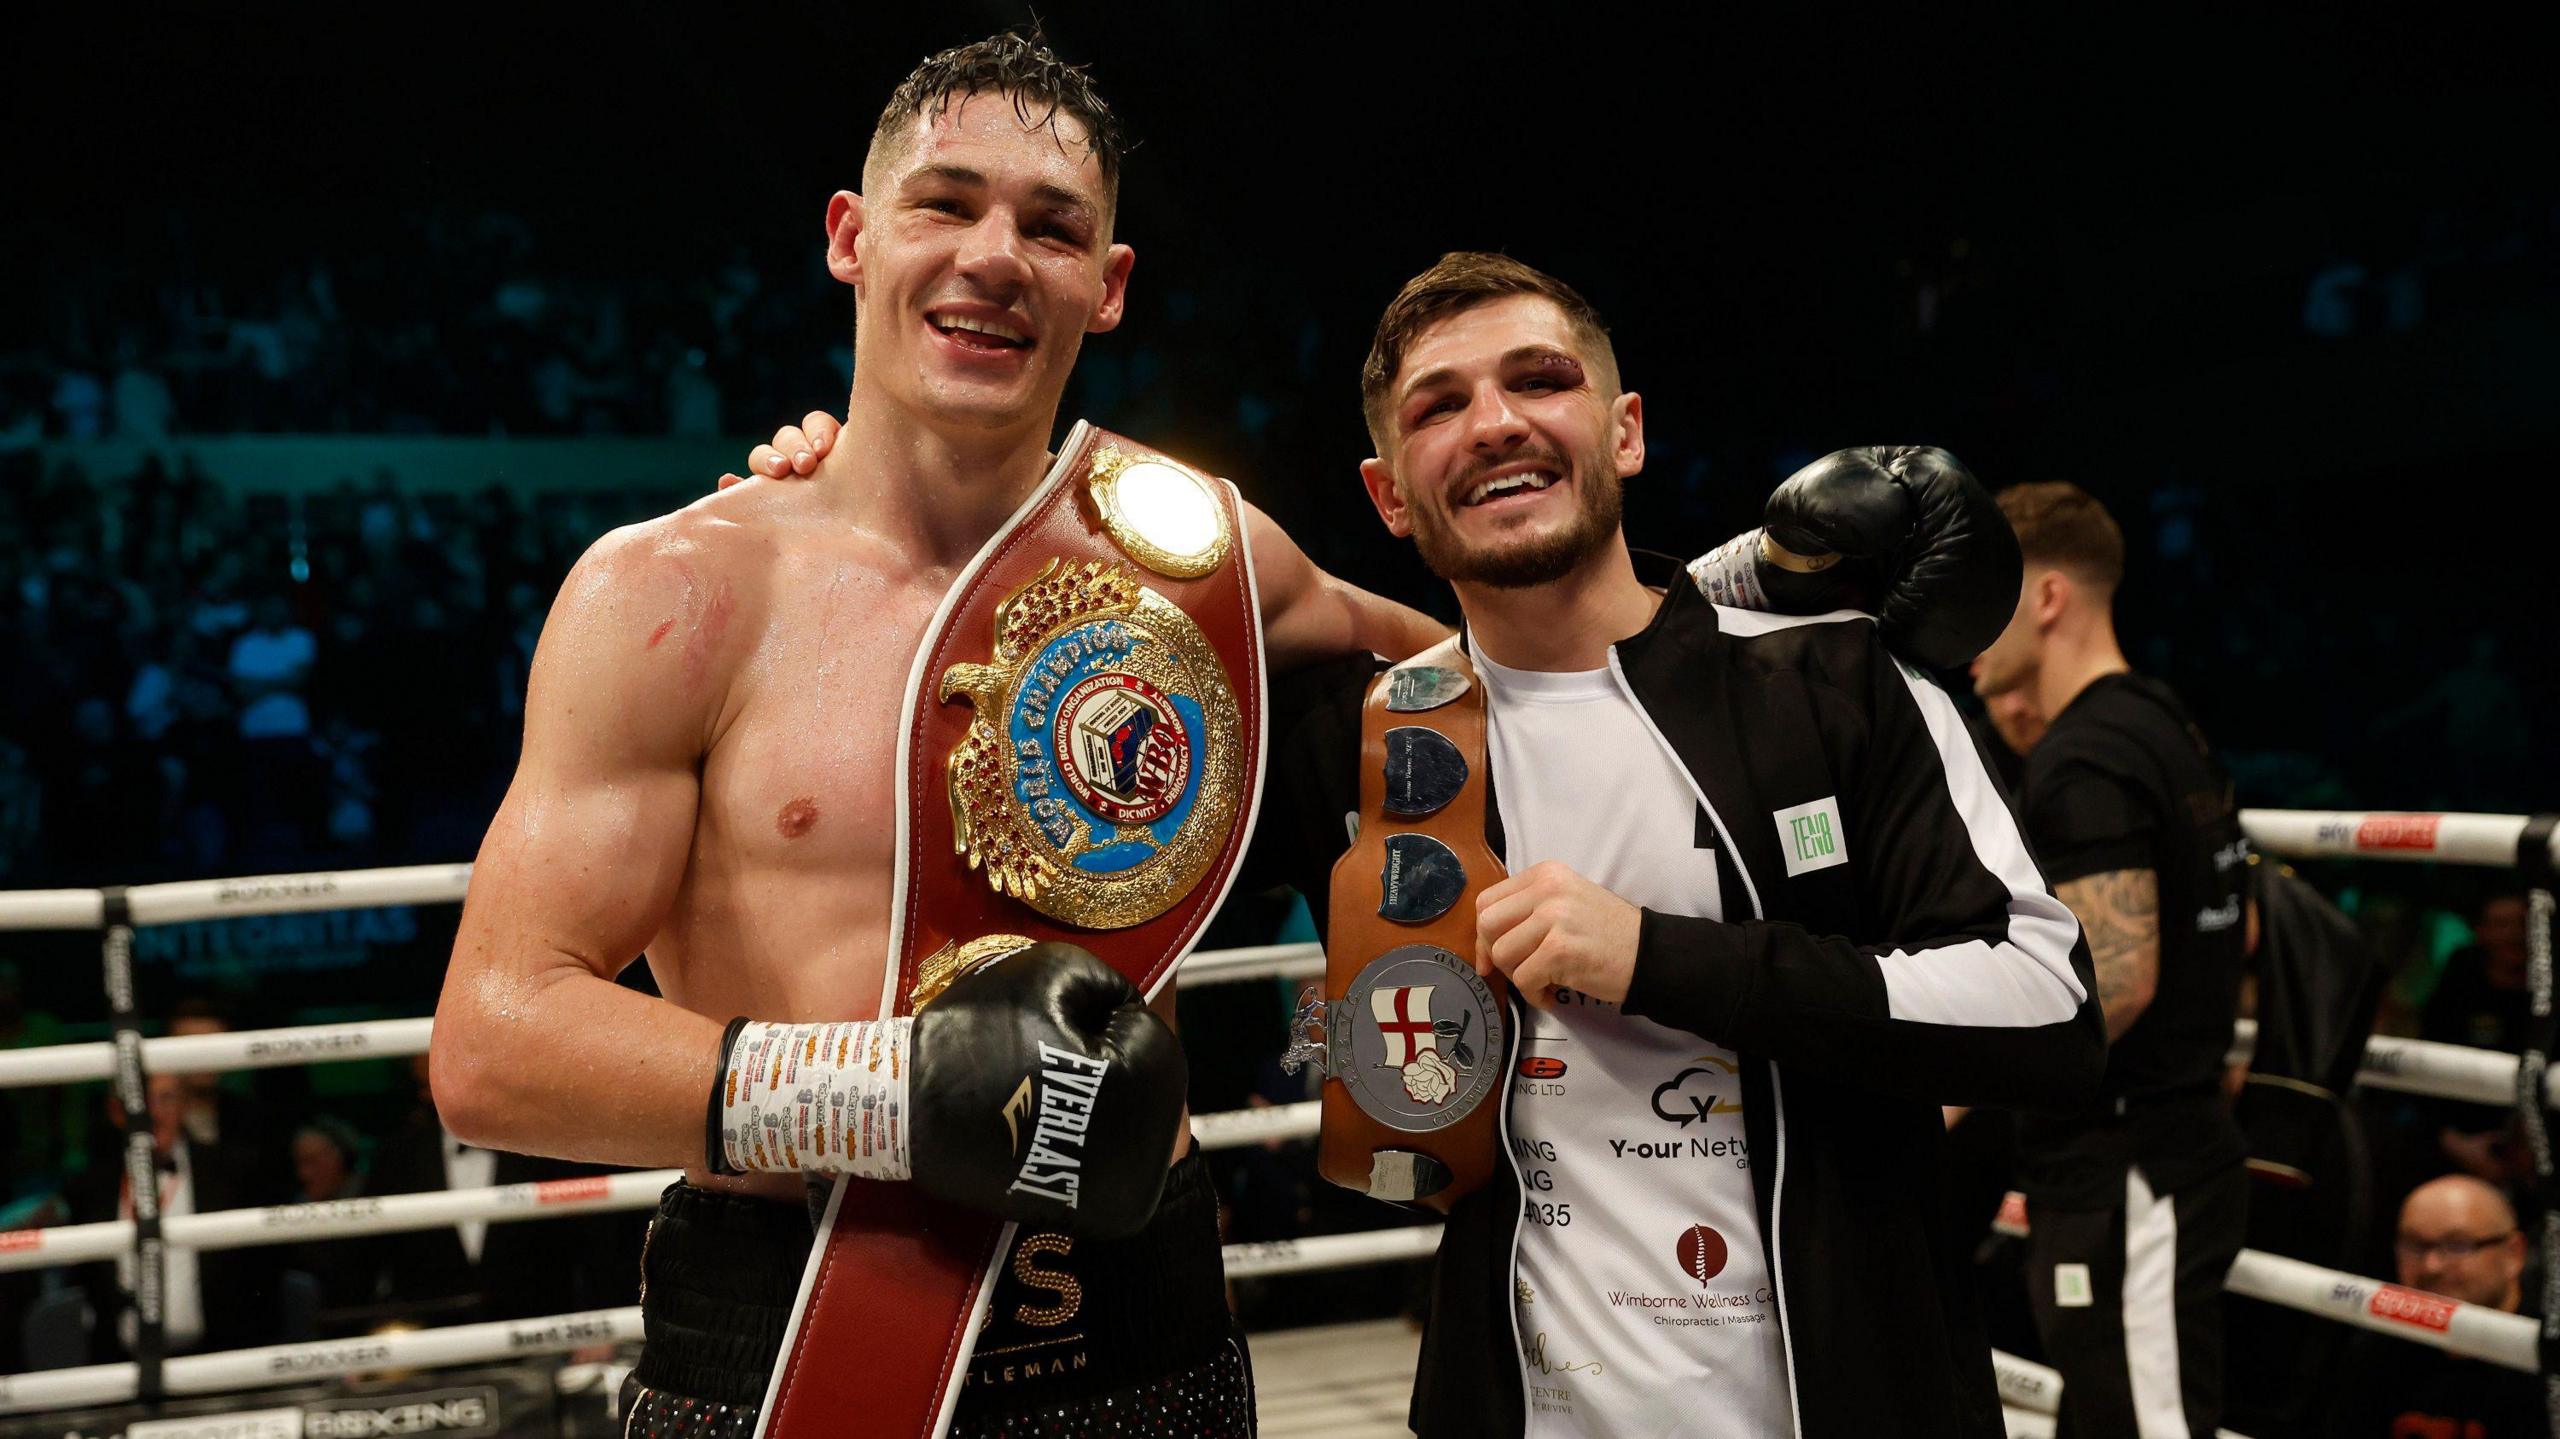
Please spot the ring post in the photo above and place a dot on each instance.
(149, 1254)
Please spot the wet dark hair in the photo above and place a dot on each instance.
(1023, 68)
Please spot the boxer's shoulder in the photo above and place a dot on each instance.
(668, 601)
(688, 559)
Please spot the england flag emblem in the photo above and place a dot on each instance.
(1403, 1013)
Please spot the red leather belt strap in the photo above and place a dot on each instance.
(890, 1304)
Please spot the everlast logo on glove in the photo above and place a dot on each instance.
(1069, 1083)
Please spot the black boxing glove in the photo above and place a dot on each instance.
(1038, 1087)
(1903, 532)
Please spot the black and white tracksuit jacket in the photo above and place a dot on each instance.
(1933, 967)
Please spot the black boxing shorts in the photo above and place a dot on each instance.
(1083, 1337)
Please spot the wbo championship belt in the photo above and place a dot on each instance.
(1411, 1041)
(1081, 761)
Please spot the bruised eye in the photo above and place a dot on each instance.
(1551, 372)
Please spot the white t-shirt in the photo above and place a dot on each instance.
(1641, 1291)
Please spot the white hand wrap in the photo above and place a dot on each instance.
(818, 1098)
(1729, 573)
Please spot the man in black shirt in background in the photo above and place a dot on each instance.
(2136, 1203)
(2482, 1002)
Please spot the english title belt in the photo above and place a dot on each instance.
(1081, 761)
(1411, 1041)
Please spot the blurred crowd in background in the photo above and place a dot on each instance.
(2282, 352)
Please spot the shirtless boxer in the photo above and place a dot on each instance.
(708, 775)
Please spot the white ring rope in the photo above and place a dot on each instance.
(2412, 1066)
(2447, 838)
(2511, 1341)
(1331, 1251)
(2472, 1331)
(293, 1363)
(221, 1053)
(2424, 1066)
(1256, 961)
(2408, 1066)
(52, 909)
(340, 1218)
(1238, 1128)
(399, 1038)
(474, 1343)
(2450, 838)
(2032, 1392)
(504, 1203)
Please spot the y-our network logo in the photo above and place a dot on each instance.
(1809, 836)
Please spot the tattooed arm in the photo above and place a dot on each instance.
(2120, 912)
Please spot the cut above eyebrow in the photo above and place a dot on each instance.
(1445, 373)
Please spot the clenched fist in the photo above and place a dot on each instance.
(1548, 928)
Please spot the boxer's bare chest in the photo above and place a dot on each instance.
(784, 909)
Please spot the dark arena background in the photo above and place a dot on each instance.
(331, 337)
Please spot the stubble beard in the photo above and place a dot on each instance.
(1598, 508)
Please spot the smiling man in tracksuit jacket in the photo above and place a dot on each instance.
(1755, 863)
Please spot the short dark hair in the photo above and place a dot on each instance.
(1022, 67)
(2063, 526)
(1460, 281)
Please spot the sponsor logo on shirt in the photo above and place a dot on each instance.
(1810, 836)
(1702, 1252)
(2072, 1287)
(1540, 1066)
(2214, 918)
(1696, 1092)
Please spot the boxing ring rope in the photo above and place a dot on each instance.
(2450, 838)
(341, 1218)
(293, 1363)
(2408, 1066)
(2530, 843)
(221, 1053)
(42, 1248)
(2031, 1395)
(2468, 1331)
(476, 1343)
(399, 1038)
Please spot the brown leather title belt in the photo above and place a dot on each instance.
(1081, 762)
(1412, 1043)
